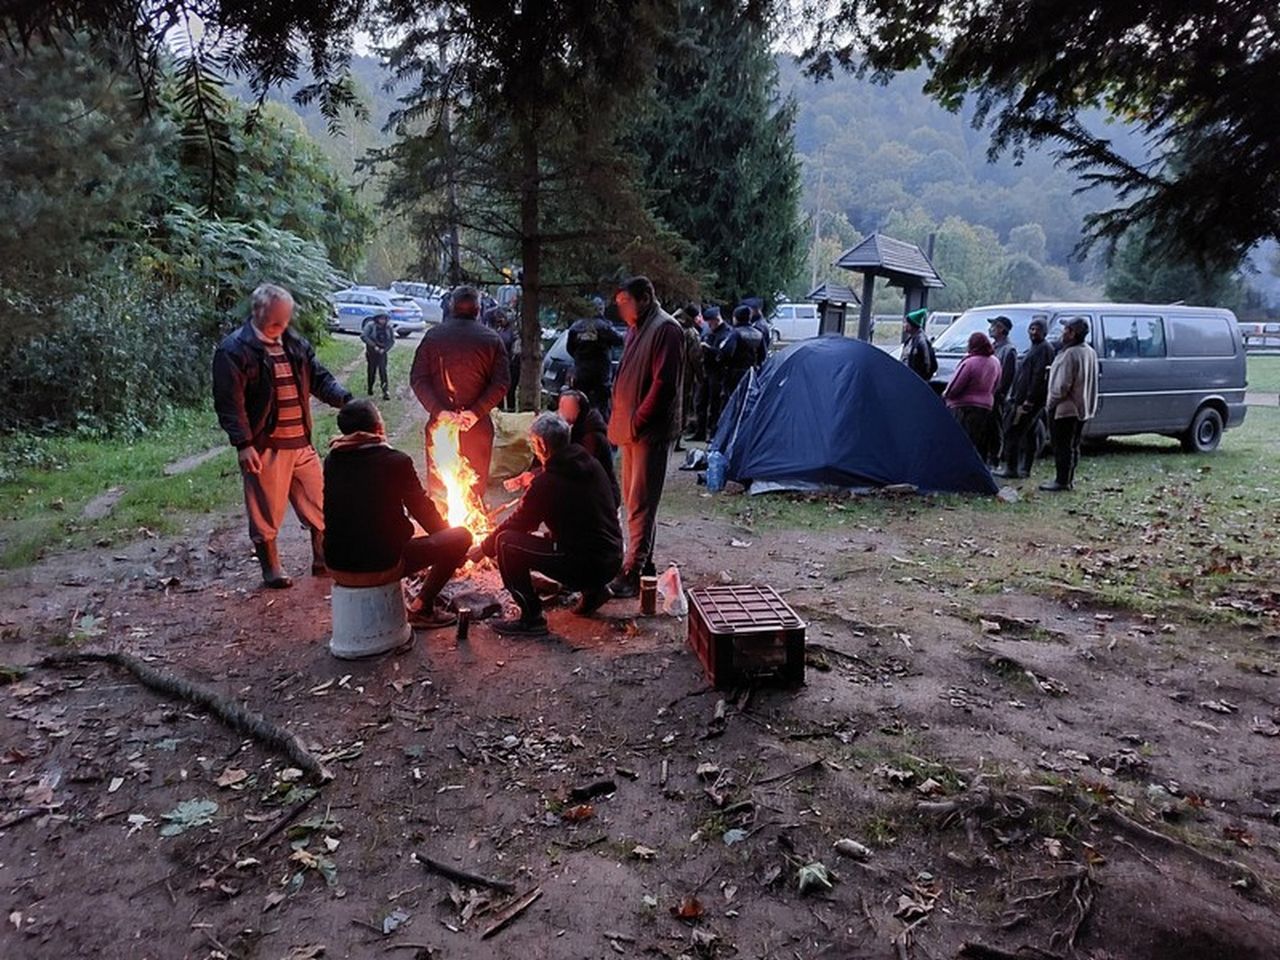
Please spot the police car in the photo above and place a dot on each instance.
(352, 307)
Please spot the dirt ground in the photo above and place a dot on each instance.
(1038, 778)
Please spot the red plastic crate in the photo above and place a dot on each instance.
(743, 633)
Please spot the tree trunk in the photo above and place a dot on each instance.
(531, 263)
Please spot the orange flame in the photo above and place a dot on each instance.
(460, 506)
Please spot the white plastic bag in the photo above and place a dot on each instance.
(671, 592)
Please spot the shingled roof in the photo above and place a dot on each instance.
(897, 260)
(833, 293)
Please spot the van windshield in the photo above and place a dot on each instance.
(955, 339)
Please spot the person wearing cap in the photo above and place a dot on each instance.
(1026, 403)
(379, 337)
(711, 388)
(1072, 400)
(497, 319)
(690, 317)
(590, 343)
(460, 373)
(917, 351)
(1007, 354)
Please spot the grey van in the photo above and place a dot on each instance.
(1173, 370)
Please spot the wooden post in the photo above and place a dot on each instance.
(864, 318)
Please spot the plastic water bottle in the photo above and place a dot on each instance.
(717, 466)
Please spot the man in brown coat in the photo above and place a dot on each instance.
(645, 420)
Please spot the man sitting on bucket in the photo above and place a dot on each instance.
(368, 539)
(583, 550)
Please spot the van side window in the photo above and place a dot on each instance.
(1201, 337)
(1128, 337)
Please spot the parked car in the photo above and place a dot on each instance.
(1173, 370)
(937, 322)
(426, 295)
(794, 321)
(357, 304)
(557, 365)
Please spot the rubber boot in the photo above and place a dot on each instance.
(318, 566)
(272, 575)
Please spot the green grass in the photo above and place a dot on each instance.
(51, 480)
(1264, 375)
(1149, 527)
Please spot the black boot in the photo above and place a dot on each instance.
(272, 575)
(318, 567)
(625, 585)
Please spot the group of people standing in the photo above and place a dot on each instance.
(358, 507)
(1001, 399)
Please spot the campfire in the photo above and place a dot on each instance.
(459, 505)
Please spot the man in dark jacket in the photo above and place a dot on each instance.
(1007, 354)
(583, 550)
(498, 320)
(264, 375)
(690, 319)
(1027, 397)
(590, 343)
(741, 350)
(645, 420)
(369, 487)
(587, 429)
(459, 374)
(760, 324)
(711, 389)
(379, 337)
(917, 351)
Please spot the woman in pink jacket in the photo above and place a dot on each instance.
(971, 393)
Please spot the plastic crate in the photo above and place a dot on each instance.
(743, 634)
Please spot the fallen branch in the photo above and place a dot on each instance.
(22, 815)
(510, 912)
(462, 876)
(228, 711)
(811, 765)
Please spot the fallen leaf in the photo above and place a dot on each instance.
(740, 544)
(690, 908)
(273, 899)
(1053, 847)
(309, 952)
(1239, 835)
(989, 626)
(394, 920)
(641, 852)
(734, 836)
(813, 876)
(579, 813)
(115, 784)
(187, 815)
(231, 776)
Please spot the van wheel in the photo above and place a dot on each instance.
(1205, 432)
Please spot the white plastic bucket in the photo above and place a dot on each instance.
(368, 621)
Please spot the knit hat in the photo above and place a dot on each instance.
(917, 317)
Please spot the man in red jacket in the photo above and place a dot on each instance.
(645, 420)
(459, 374)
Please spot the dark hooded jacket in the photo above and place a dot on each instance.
(572, 497)
(590, 433)
(368, 491)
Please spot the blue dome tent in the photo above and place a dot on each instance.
(832, 411)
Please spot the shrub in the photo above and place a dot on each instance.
(114, 359)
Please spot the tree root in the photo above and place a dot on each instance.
(236, 717)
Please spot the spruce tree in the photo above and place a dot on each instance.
(717, 148)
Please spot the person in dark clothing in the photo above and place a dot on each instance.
(497, 319)
(741, 350)
(459, 374)
(690, 318)
(590, 342)
(588, 430)
(379, 337)
(917, 351)
(760, 324)
(1007, 354)
(369, 487)
(710, 398)
(583, 550)
(645, 420)
(264, 376)
(1026, 402)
